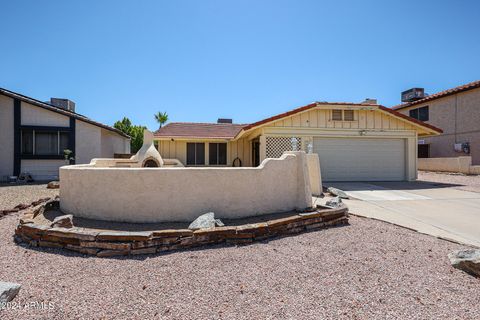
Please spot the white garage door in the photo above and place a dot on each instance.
(361, 159)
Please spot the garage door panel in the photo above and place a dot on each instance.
(361, 159)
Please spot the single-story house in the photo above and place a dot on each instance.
(456, 111)
(354, 141)
(34, 135)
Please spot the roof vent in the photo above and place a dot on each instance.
(223, 120)
(413, 94)
(64, 104)
(369, 101)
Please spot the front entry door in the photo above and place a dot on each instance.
(256, 152)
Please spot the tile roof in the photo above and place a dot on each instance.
(199, 130)
(53, 108)
(441, 94)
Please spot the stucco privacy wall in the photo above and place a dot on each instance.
(314, 173)
(455, 164)
(6, 134)
(182, 194)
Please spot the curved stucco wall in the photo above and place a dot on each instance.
(182, 194)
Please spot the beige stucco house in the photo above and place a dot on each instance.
(457, 112)
(33, 135)
(354, 141)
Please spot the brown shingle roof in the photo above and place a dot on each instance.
(199, 130)
(441, 94)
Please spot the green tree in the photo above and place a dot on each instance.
(135, 133)
(161, 118)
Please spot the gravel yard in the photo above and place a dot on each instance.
(367, 270)
(11, 195)
(463, 182)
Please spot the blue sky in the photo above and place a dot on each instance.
(246, 60)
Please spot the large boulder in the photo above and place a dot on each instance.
(467, 260)
(8, 291)
(338, 192)
(65, 221)
(206, 220)
(334, 203)
(53, 185)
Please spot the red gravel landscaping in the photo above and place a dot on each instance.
(367, 270)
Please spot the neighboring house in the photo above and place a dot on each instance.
(354, 141)
(457, 112)
(33, 135)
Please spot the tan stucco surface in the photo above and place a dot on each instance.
(6, 134)
(458, 116)
(182, 194)
(314, 172)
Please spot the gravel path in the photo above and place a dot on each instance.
(11, 195)
(463, 182)
(367, 270)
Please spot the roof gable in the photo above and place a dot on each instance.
(355, 106)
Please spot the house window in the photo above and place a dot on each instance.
(337, 115)
(195, 154)
(342, 115)
(44, 143)
(421, 114)
(217, 153)
(424, 151)
(348, 115)
(27, 141)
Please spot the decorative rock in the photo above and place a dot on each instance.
(334, 203)
(65, 221)
(338, 192)
(206, 220)
(8, 291)
(53, 185)
(467, 260)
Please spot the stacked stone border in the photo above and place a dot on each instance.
(123, 243)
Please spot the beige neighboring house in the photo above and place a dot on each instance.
(457, 112)
(354, 141)
(33, 135)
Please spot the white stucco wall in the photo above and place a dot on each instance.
(6, 136)
(182, 194)
(36, 116)
(113, 143)
(88, 142)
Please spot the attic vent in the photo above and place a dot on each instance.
(224, 120)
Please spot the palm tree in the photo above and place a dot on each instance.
(161, 118)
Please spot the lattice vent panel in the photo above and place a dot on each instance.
(276, 146)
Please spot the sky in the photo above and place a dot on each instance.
(246, 60)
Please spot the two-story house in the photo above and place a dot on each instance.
(456, 111)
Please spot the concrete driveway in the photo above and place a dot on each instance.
(437, 209)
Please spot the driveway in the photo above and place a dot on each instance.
(438, 209)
